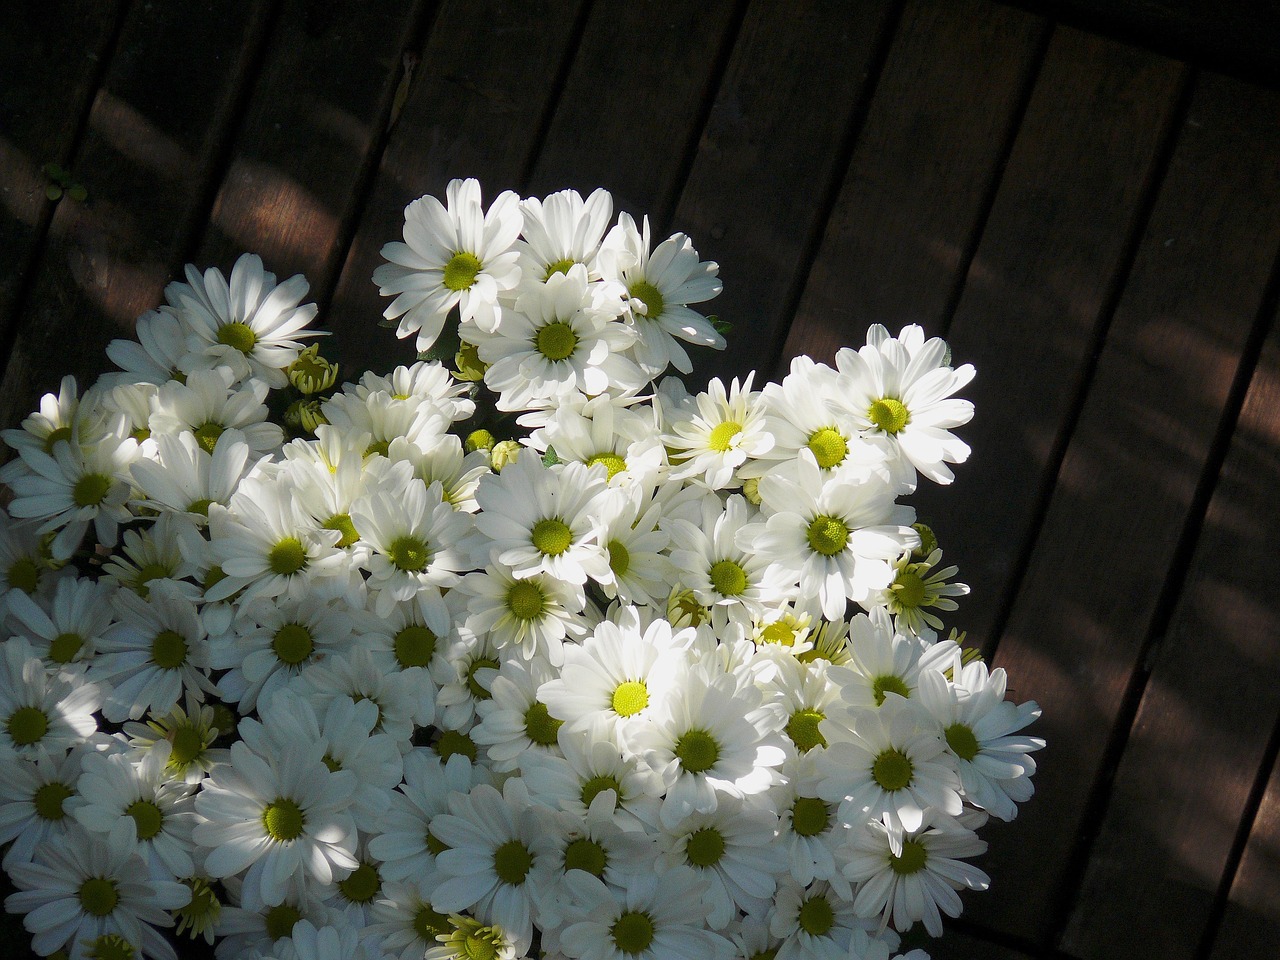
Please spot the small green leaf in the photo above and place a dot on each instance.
(721, 327)
(549, 459)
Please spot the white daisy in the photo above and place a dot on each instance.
(884, 660)
(815, 923)
(188, 732)
(186, 478)
(278, 816)
(356, 675)
(404, 921)
(83, 888)
(533, 614)
(38, 796)
(660, 285)
(158, 355)
(156, 650)
(916, 588)
(900, 388)
(981, 730)
(166, 551)
(23, 561)
(40, 710)
(713, 562)
(251, 324)
(428, 383)
(652, 918)
(905, 877)
(835, 538)
(513, 720)
(809, 830)
(891, 764)
(133, 804)
(725, 432)
(206, 405)
(67, 627)
(560, 231)
(454, 255)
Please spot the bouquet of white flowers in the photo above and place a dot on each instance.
(516, 651)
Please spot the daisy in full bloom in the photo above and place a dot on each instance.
(835, 538)
(652, 918)
(206, 405)
(513, 720)
(38, 796)
(532, 614)
(40, 710)
(250, 324)
(905, 877)
(982, 732)
(186, 478)
(165, 551)
(187, 732)
(68, 627)
(918, 588)
(892, 765)
(60, 415)
(453, 254)
(900, 388)
(660, 285)
(884, 660)
(711, 737)
(816, 923)
(158, 355)
(280, 816)
(544, 520)
(562, 336)
(712, 562)
(726, 430)
(498, 851)
(86, 889)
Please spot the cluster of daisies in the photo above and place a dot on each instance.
(522, 652)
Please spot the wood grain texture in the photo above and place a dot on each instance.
(625, 123)
(1208, 712)
(318, 109)
(918, 185)
(474, 109)
(155, 130)
(756, 194)
(1123, 498)
(1251, 922)
(1054, 245)
(52, 64)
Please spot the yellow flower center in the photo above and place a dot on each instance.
(633, 932)
(829, 447)
(889, 415)
(461, 271)
(168, 650)
(697, 751)
(557, 341)
(721, 436)
(892, 770)
(287, 557)
(539, 726)
(650, 296)
(283, 820)
(828, 535)
(585, 854)
(237, 336)
(803, 730)
(409, 554)
(810, 816)
(512, 862)
(551, 537)
(147, 818)
(630, 697)
(98, 896)
(962, 741)
(912, 860)
(414, 646)
(293, 644)
(91, 489)
(704, 847)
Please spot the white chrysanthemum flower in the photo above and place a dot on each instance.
(543, 519)
(206, 406)
(166, 552)
(900, 388)
(513, 720)
(405, 844)
(533, 614)
(905, 877)
(474, 660)
(267, 546)
(592, 778)
(355, 674)
(809, 831)
(158, 355)
(710, 737)
(467, 938)
(76, 487)
(386, 420)
(156, 650)
(306, 941)
(712, 561)
(454, 255)
(38, 796)
(884, 660)
(721, 436)
(23, 561)
(835, 538)
(893, 765)
(732, 849)
(560, 231)
(499, 850)
(404, 921)
(424, 382)
(39, 710)
(279, 816)
(917, 586)
(83, 889)
(186, 478)
(133, 803)
(816, 923)
(244, 933)
(562, 337)
(187, 732)
(801, 692)
(458, 473)
(61, 416)
(620, 674)
(67, 627)
(251, 325)
(652, 917)
(660, 285)
(409, 641)
(418, 542)
(616, 431)
(981, 730)
(273, 642)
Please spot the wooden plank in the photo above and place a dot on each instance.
(155, 131)
(958, 945)
(294, 178)
(1211, 703)
(919, 182)
(626, 123)
(757, 191)
(51, 61)
(1124, 496)
(1251, 924)
(1036, 293)
(474, 109)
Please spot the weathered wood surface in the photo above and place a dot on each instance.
(1095, 227)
